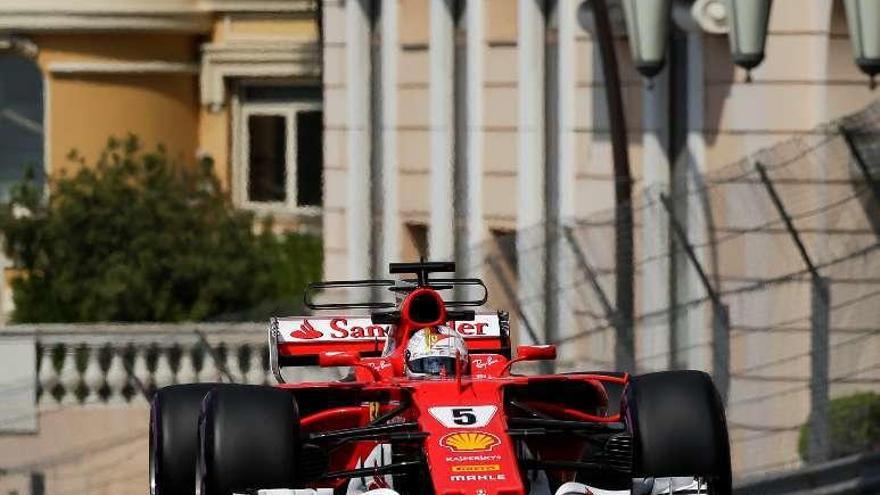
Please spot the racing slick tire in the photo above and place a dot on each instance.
(174, 443)
(248, 440)
(678, 428)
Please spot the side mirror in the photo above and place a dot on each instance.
(535, 352)
(338, 358)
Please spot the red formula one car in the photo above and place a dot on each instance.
(472, 429)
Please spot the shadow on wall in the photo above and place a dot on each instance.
(719, 73)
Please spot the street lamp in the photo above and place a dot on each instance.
(863, 18)
(647, 23)
(748, 31)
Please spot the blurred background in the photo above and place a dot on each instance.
(649, 184)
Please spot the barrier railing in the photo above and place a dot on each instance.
(854, 475)
(121, 363)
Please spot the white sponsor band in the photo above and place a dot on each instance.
(301, 329)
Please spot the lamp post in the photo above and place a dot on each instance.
(747, 32)
(648, 25)
(624, 347)
(863, 19)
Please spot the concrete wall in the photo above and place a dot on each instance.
(100, 450)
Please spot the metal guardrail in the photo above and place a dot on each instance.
(854, 475)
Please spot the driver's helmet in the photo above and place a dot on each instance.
(434, 352)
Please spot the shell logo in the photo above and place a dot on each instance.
(477, 441)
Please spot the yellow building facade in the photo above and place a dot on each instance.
(237, 81)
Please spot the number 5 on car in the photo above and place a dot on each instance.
(463, 416)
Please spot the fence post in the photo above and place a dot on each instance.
(819, 442)
(819, 446)
(720, 315)
(721, 349)
(860, 163)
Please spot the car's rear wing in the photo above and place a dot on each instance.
(298, 340)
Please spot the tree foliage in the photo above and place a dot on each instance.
(138, 237)
(853, 426)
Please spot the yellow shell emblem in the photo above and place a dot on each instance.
(477, 441)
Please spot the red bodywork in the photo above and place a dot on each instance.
(464, 421)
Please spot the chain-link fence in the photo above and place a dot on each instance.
(765, 273)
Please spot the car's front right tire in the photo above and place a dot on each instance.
(678, 427)
(248, 440)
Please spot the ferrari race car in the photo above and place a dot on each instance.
(475, 429)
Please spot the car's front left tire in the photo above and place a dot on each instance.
(248, 440)
(174, 422)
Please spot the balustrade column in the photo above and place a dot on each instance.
(233, 364)
(186, 371)
(48, 378)
(141, 375)
(70, 377)
(256, 375)
(93, 376)
(116, 377)
(116, 361)
(164, 375)
(210, 372)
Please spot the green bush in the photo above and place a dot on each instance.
(853, 426)
(137, 237)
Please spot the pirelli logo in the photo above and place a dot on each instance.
(476, 468)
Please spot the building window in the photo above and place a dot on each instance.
(310, 158)
(21, 123)
(279, 163)
(267, 158)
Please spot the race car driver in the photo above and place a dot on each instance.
(435, 352)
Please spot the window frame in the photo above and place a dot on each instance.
(241, 155)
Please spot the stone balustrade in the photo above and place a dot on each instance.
(99, 364)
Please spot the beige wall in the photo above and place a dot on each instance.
(215, 140)
(84, 109)
(94, 450)
(83, 47)
(416, 29)
(265, 26)
(160, 109)
(807, 78)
